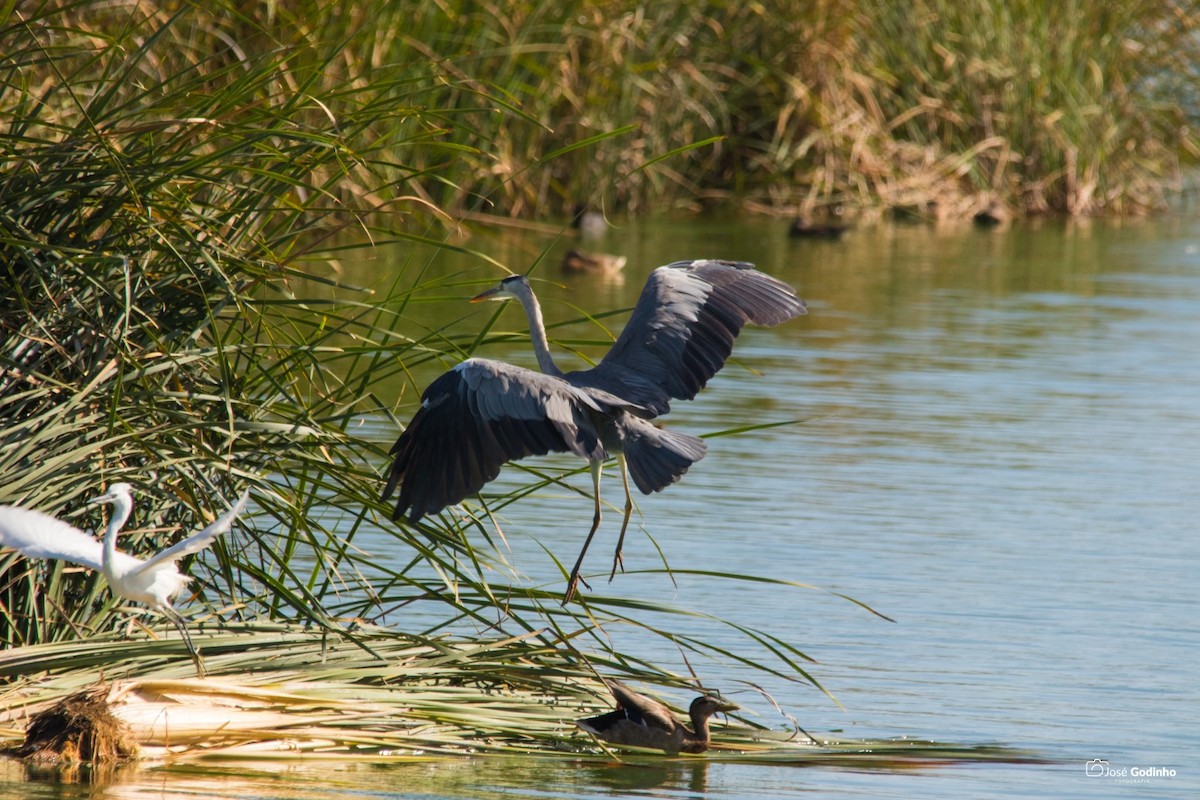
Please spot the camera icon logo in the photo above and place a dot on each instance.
(1096, 768)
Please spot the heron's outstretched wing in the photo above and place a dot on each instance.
(199, 540)
(475, 418)
(682, 329)
(38, 535)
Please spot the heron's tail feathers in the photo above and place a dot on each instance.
(657, 457)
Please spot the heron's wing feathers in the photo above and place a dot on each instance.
(38, 535)
(199, 540)
(641, 709)
(475, 418)
(683, 327)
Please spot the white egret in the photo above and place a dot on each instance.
(153, 581)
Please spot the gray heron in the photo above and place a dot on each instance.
(153, 581)
(642, 722)
(484, 413)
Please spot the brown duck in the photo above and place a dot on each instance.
(642, 722)
(579, 261)
(805, 228)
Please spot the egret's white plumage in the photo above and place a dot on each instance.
(153, 581)
(38, 535)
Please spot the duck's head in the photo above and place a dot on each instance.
(706, 706)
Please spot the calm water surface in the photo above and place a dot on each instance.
(1000, 452)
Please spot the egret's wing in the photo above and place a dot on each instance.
(682, 329)
(38, 535)
(476, 417)
(199, 540)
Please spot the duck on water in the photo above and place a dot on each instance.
(642, 722)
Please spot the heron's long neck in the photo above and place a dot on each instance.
(537, 334)
(120, 513)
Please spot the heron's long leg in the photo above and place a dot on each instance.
(573, 581)
(617, 560)
(181, 626)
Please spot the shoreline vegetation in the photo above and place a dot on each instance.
(175, 178)
(525, 110)
(399, 699)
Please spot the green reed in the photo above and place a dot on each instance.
(1074, 108)
(175, 177)
(170, 196)
(480, 108)
(782, 106)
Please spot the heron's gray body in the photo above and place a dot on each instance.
(483, 413)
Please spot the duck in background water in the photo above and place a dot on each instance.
(577, 261)
(806, 228)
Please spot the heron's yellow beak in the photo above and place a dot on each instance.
(494, 293)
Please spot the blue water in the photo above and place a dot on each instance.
(1000, 452)
(1003, 460)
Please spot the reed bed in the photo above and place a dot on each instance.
(298, 693)
(525, 109)
(172, 196)
(937, 109)
(176, 178)
(1073, 109)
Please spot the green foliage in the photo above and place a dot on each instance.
(171, 197)
(402, 697)
(158, 196)
(1076, 107)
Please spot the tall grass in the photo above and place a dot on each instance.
(1076, 108)
(175, 177)
(170, 197)
(158, 197)
(1080, 109)
(778, 106)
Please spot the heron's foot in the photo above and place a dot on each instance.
(570, 593)
(618, 564)
(572, 587)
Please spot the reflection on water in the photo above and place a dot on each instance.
(999, 451)
(479, 779)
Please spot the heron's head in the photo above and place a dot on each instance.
(118, 491)
(509, 288)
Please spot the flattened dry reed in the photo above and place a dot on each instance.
(286, 692)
